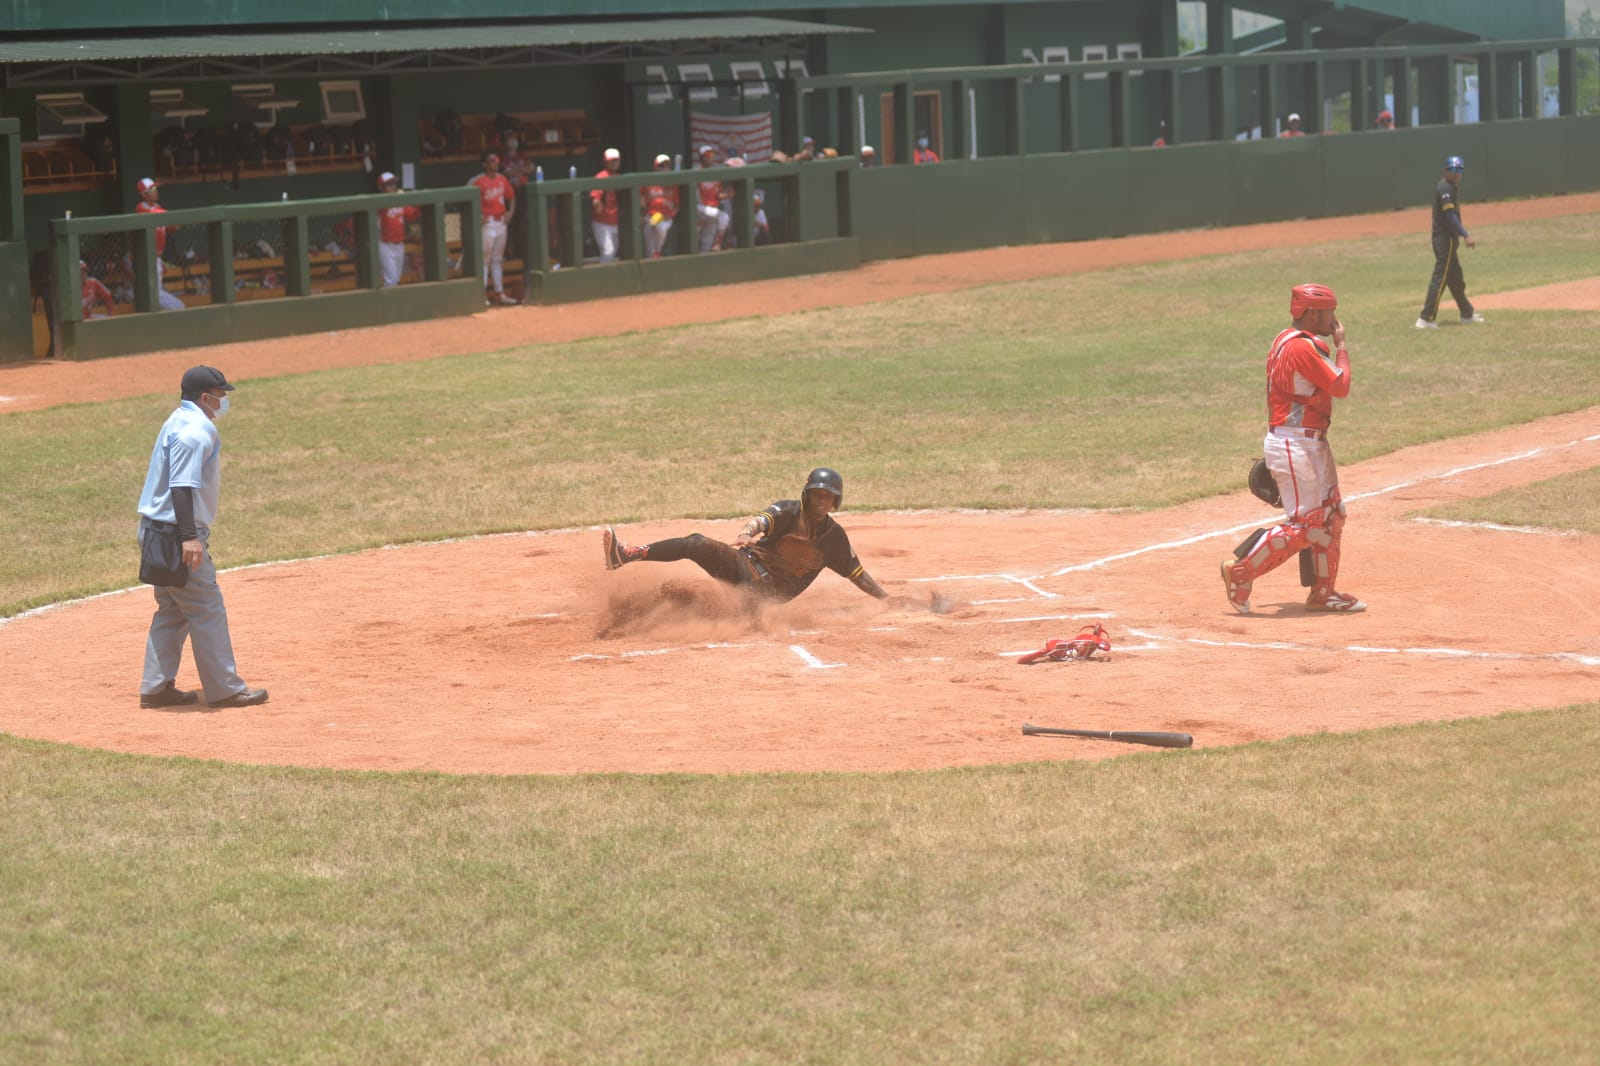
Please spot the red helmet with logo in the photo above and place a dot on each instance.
(1303, 298)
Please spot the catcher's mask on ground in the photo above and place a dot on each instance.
(1310, 296)
(827, 480)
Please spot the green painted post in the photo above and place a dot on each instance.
(145, 282)
(368, 275)
(297, 256)
(1173, 96)
(68, 284)
(905, 122)
(571, 216)
(11, 216)
(630, 233)
(219, 236)
(1070, 118)
(1488, 87)
(1530, 85)
(1121, 109)
(1567, 80)
(1316, 92)
(1016, 117)
(1360, 110)
(961, 115)
(844, 182)
(1402, 92)
(435, 250)
(744, 213)
(536, 230)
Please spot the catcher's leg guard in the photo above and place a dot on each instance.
(1268, 552)
(1324, 527)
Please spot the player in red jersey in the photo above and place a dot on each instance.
(1304, 377)
(660, 203)
(604, 211)
(712, 217)
(150, 203)
(499, 205)
(392, 223)
(95, 294)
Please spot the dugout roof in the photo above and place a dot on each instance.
(398, 50)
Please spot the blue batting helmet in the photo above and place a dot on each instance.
(1454, 163)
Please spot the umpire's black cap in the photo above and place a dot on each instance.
(198, 379)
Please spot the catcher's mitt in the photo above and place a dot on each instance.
(1263, 485)
(1090, 639)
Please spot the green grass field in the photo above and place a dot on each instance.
(1405, 895)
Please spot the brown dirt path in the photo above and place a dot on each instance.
(32, 385)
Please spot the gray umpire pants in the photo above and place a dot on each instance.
(194, 611)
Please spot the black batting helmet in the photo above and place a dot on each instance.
(825, 478)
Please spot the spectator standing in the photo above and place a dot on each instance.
(924, 152)
(712, 220)
(181, 492)
(392, 222)
(1385, 120)
(869, 156)
(763, 229)
(95, 294)
(604, 211)
(150, 203)
(660, 204)
(1292, 128)
(499, 201)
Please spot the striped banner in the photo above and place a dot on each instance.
(746, 135)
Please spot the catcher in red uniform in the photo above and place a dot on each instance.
(779, 552)
(1304, 377)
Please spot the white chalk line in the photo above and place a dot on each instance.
(1364, 649)
(1197, 538)
(1495, 527)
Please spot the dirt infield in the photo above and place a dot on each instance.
(562, 667)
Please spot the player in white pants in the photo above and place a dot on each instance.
(1303, 378)
(499, 200)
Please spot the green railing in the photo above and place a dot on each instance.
(1198, 97)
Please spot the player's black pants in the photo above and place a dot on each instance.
(1446, 273)
(722, 561)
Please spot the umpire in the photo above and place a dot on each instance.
(180, 494)
(1448, 232)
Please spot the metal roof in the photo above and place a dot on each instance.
(472, 36)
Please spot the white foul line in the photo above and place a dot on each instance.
(1362, 649)
(811, 660)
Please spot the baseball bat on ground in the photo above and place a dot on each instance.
(1159, 740)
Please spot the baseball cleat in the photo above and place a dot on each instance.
(1334, 601)
(1238, 594)
(617, 553)
(608, 539)
(1472, 319)
(1423, 323)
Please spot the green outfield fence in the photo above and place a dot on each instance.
(1040, 154)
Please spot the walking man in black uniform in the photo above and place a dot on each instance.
(1448, 232)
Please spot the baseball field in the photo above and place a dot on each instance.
(507, 806)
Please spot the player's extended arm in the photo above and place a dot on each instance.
(863, 581)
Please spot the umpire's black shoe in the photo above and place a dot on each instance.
(247, 698)
(171, 696)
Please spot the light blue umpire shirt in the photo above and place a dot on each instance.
(187, 454)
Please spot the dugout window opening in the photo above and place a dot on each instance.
(927, 116)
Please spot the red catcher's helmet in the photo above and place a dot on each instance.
(1303, 298)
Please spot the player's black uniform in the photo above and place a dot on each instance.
(1447, 234)
(783, 563)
